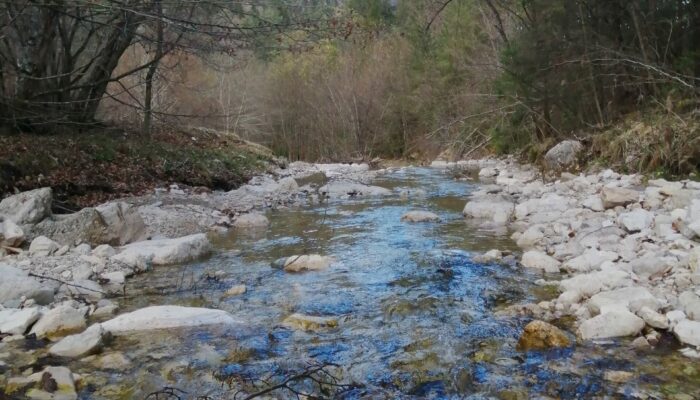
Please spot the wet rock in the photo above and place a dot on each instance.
(11, 235)
(539, 260)
(420, 216)
(615, 323)
(166, 317)
(164, 251)
(618, 376)
(58, 383)
(16, 283)
(235, 290)
(690, 304)
(488, 257)
(564, 155)
(251, 220)
(43, 246)
(105, 308)
(27, 207)
(688, 332)
(497, 210)
(636, 220)
(59, 321)
(308, 262)
(16, 321)
(539, 335)
(337, 189)
(112, 361)
(620, 299)
(618, 197)
(640, 344)
(79, 345)
(309, 323)
(653, 318)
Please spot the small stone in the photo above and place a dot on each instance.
(653, 318)
(539, 260)
(615, 323)
(641, 344)
(42, 246)
(309, 323)
(59, 321)
(618, 197)
(420, 216)
(104, 251)
(81, 344)
(311, 262)
(688, 332)
(236, 290)
(539, 335)
(15, 321)
(618, 376)
(251, 220)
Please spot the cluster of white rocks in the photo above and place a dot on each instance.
(625, 251)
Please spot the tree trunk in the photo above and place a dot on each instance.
(152, 68)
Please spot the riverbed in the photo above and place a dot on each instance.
(416, 315)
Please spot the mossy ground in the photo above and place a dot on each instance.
(87, 168)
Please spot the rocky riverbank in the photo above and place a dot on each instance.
(622, 250)
(61, 274)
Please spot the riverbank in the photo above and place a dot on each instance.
(591, 236)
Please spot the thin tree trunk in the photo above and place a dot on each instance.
(148, 100)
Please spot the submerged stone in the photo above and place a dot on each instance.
(539, 335)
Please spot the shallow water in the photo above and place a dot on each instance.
(415, 314)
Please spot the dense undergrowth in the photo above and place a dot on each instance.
(86, 168)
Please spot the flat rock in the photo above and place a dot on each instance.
(688, 332)
(166, 317)
(618, 197)
(16, 321)
(420, 216)
(615, 323)
(16, 283)
(235, 290)
(81, 344)
(595, 282)
(590, 260)
(59, 321)
(539, 335)
(621, 299)
(164, 251)
(308, 322)
(351, 189)
(539, 260)
(27, 207)
(251, 220)
(636, 220)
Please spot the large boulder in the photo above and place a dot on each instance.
(622, 299)
(496, 209)
(81, 344)
(14, 321)
(611, 324)
(60, 321)
(166, 317)
(688, 332)
(164, 251)
(564, 155)
(618, 197)
(27, 207)
(539, 260)
(339, 189)
(539, 335)
(16, 283)
(112, 223)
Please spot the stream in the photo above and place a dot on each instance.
(417, 318)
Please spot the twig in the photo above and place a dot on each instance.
(66, 283)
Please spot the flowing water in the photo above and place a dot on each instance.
(416, 316)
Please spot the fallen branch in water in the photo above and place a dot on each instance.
(67, 283)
